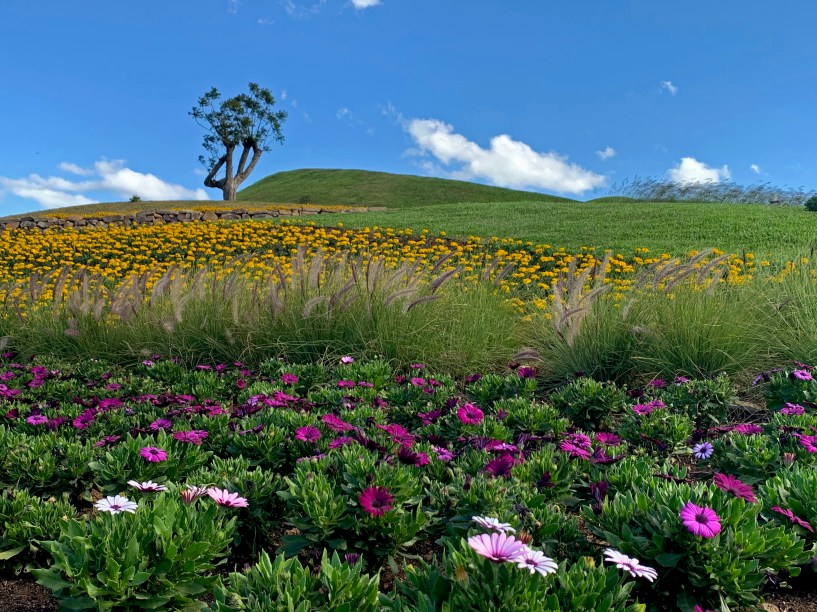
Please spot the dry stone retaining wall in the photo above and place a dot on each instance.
(160, 217)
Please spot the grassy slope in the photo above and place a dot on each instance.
(772, 232)
(365, 188)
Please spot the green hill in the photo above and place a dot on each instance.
(365, 188)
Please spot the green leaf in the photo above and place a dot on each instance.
(78, 603)
(8, 554)
(293, 544)
(669, 559)
(50, 580)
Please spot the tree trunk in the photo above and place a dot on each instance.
(230, 189)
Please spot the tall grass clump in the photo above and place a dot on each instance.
(665, 190)
(788, 312)
(678, 319)
(314, 309)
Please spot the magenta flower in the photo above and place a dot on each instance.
(443, 454)
(643, 409)
(224, 498)
(700, 521)
(809, 442)
(794, 519)
(376, 501)
(748, 429)
(37, 419)
(657, 383)
(346, 360)
(192, 437)
(608, 439)
(525, 372)
(161, 424)
(347, 384)
(500, 466)
(573, 450)
(308, 434)
(289, 379)
(792, 409)
(802, 375)
(629, 564)
(341, 441)
(336, 424)
(470, 415)
(730, 484)
(153, 454)
(409, 457)
(497, 547)
(535, 561)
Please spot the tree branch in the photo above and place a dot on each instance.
(209, 180)
(256, 155)
(243, 159)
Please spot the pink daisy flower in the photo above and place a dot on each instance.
(535, 561)
(37, 419)
(748, 429)
(497, 547)
(700, 521)
(153, 454)
(336, 424)
(630, 564)
(470, 414)
(492, 524)
(730, 484)
(224, 498)
(147, 487)
(809, 442)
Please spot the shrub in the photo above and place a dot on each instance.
(284, 585)
(725, 570)
(161, 556)
(811, 204)
(25, 519)
(589, 404)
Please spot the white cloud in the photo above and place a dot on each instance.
(109, 177)
(303, 10)
(74, 169)
(507, 162)
(265, 22)
(690, 170)
(364, 4)
(344, 113)
(283, 95)
(232, 6)
(606, 153)
(672, 89)
(755, 168)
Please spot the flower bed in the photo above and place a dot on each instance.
(360, 485)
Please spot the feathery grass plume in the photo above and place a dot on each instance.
(571, 303)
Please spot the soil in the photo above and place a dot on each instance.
(25, 595)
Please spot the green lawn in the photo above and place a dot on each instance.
(365, 188)
(769, 232)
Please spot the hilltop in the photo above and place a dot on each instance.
(367, 188)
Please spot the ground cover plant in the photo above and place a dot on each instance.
(367, 484)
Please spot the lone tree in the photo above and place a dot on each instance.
(247, 121)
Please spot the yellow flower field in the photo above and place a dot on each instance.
(115, 253)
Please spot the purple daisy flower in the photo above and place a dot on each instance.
(792, 409)
(308, 434)
(794, 519)
(608, 439)
(730, 484)
(376, 501)
(700, 520)
(802, 375)
(153, 454)
(501, 466)
(748, 429)
(703, 450)
(37, 419)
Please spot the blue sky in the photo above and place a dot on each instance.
(566, 97)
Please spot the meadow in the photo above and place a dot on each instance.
(498, 406)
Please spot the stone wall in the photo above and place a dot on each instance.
(160, 217)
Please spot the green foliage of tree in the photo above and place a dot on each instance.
(247, 122)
